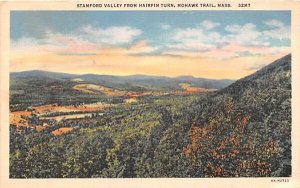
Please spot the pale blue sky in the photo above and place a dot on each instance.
(36, 23)
(214, 44)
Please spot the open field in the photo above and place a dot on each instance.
(72, 116)
(92, 88)
(190, 89)
(62, 130)
(20, 118)
(46, 109)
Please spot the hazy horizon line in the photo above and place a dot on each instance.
(116, 75)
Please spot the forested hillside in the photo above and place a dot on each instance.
(243, 130)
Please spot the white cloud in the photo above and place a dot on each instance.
(208, 25)
(274, 23)
(165, 26)
(110, 35)
(244, 39)
(243, 34)
(278, 30)
(189, 34)
(84, 39)
(142, 47)
(240, 28)
(194, 39)
(198, 41)
(24, 43)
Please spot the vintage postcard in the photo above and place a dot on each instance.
(143, 94)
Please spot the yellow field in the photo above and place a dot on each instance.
(190, 89)
(18, 118)
(62, 130)
(92, 88)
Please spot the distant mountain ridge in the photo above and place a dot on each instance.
(39, 73)
(133, 79)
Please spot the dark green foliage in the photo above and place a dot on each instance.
(243, 130)
(36, 91)
(247, 126)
